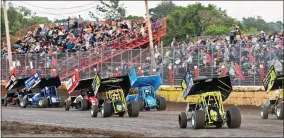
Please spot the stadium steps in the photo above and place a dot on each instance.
(90, 62)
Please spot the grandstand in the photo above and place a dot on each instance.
(242, 60)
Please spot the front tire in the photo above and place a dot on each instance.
(141, 104)
(67, 105)
(198, 119)
(23, 103)
(83, 105)
(279, 111)
(106, 110)
(233, 117)
(161, 103)
(43, 102)
(264, 112)
(182, 120)
(94, 110)
(133, 109)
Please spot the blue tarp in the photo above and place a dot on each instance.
(138, 81)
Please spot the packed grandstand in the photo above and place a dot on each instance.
(44, 47)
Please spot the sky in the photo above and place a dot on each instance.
(268, 10)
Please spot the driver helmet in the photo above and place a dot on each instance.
(147, 92)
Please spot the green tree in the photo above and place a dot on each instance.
(195, 19)
(216, 30)
(20, 18)
(111, 10)
(133, 17)
(251, 31)
(257, 23)
(163, 9)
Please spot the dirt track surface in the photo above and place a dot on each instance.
(151, 123)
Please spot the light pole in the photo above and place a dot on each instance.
(153, 65)
(7, 34)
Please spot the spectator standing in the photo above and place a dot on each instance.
(174, 43)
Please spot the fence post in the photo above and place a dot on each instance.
(78, 54)
(14, 63)
(131, 58)
(90, 57)
(254, 66)
(56, 67)
(196, 72)
(261, 70)
(270, 45)
(45, 64)
(140, 56)
(67, 63)
(162, 68)
(100, 70)
(171, 76)
(212, 60)
(223, 70)
(111, 60)
(240, 64)
(25, 66)
(198, 57)
(173, 70)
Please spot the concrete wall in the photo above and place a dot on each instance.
(239, 96)
(250, 95)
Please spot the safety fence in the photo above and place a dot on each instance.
(245, 64)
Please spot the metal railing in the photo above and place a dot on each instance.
(234, 57)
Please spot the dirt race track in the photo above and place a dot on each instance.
(57, 122)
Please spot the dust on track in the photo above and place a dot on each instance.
(16, 128)
(151, 123)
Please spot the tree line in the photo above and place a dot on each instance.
(193, 19)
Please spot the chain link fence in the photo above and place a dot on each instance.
(241, 61)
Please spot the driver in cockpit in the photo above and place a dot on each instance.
(147, 92)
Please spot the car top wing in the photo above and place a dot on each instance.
(195, 87)
(51, 81)
(72, 83)
(78, 85)
(271, 81)
(33, 81)
(112, 83)
(96, 83)
(139, 81)
(14, 83)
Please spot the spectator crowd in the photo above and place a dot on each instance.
(240, 54)
(77, 36)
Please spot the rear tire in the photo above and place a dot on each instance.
(106, 109)
(94, 110)
(133, 109)
(18, 102)
(23, 103)
(279, 111)
(198, 119)
(84, 105)
(182, 120)
(161, 103)
(43, 102)
(62, 103)
(67, 105)
(141, 104)
(234, 117)
(5, 103)
(264, 112)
